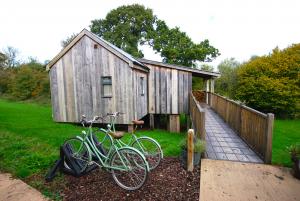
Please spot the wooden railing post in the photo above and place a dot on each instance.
(202, 124)
(190, 150)
(269, 136)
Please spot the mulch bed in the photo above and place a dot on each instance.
(169, 181)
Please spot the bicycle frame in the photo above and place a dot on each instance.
(119, 141)
(103, 160)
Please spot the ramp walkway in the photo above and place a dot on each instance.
(222, 143)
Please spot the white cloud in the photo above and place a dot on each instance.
(238, 28)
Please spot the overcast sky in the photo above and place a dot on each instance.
(238, 28)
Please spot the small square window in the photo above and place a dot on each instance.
(142, 85)
(106, 87)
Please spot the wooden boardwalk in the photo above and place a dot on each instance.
(223, 143)
(226, 180)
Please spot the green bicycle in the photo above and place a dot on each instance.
(127, 165)
(149, 147)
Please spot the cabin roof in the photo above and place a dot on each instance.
(114, 49)
(196, 72)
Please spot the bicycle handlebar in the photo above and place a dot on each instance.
(115, 114)
(84, 122)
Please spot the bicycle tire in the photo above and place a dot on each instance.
(151, 150)
(137, 165)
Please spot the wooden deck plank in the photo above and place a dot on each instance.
(226, 180)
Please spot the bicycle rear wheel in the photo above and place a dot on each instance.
(133, 168)
(78, 152)
(151, 150)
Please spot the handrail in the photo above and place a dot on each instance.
(197, 114)
(254, 127)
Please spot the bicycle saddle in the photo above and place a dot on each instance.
(137, 122)
(117, 134)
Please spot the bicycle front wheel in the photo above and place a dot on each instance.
(151, 150)
(129, 168)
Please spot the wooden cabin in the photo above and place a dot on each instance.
(93, 77)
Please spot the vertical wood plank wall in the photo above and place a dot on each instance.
(253, 126)
(168, 90)
(76, 87)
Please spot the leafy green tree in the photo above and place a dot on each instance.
(176, 47)
(272, 83)
(66, 41)
(226, 84)
(127, 27)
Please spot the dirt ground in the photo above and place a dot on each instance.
(15, 190)
(169, 181)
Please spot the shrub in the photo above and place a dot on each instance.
(271, 83)
(25, 82)
(199, 145)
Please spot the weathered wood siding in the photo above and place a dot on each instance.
(76, 86)
(168, 90)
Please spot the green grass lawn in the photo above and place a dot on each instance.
(30, 140)
(286, 133)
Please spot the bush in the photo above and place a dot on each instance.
(28, 81)
(199, 145)
(5, 78)
(271, 83)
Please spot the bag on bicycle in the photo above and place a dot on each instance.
(71, 165)
(52, 172)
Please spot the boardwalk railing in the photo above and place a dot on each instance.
(197, 117)
(254, 127)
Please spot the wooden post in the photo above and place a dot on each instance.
(151, 119)
(212, 86)
(206, 89)
(130, 128)
(190, 150)
(269, 136)
(188, 121)
(174, 123)
(202, 123)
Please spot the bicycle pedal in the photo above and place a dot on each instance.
(91, 163)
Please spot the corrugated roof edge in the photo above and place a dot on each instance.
(183, 68)
(97, 39)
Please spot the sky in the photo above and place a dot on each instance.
(238, 28)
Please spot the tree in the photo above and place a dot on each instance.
(176, 47)
(271, 83)
(206, 67)
(127, 27)
(66, 41)
(11, 54)
(227, 83)
(3, 60)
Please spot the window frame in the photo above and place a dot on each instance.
(104, 84)
(142, 86)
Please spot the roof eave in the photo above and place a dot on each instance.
(182, 68)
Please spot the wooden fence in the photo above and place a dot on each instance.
(254, 127)
(197, 117)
